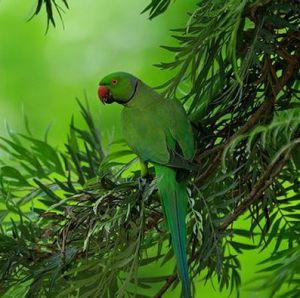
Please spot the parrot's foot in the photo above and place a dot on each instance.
(142, 181)
(144, 168)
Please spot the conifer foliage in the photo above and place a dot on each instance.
(79, 222)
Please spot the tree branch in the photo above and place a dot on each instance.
(166, 286)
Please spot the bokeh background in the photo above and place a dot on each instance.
(42, 74)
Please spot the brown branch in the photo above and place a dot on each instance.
(166, 286)
(211, 168)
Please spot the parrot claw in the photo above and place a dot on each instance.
(141, 183)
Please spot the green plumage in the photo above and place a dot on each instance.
(152, 125)
(174, 201)
(158, 130)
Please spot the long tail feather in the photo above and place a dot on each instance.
(173, 196)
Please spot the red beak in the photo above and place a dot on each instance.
(102, 93)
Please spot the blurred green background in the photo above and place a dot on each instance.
(42, 74)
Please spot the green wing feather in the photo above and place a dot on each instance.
(151, 132)
(145, 138)
(180, 128)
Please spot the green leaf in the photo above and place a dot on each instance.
(15, 176)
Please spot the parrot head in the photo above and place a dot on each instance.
(117, 87)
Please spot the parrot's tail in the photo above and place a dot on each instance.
(173, 195)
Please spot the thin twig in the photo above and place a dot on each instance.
(166, 286)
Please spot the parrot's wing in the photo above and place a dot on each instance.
(181, 130)
(161, 134)
(145, 137)
(179, 162)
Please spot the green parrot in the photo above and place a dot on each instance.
(158, 131)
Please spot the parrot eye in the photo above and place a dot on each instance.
(114, 82)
